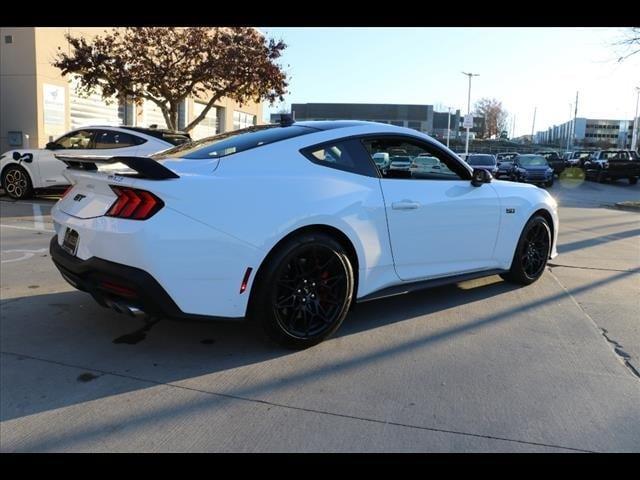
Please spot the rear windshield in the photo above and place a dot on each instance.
(233, 142)
(484, 160)
(176, 138)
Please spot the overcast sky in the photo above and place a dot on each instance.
(522, 67)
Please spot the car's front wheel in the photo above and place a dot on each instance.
(16, 182)
(532, 252)
(633, 180)
(305, 291)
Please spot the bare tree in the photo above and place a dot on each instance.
(165, 65)
(631, 41)
(495, 116)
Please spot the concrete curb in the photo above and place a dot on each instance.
(628, 206)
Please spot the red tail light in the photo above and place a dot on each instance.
(67, 190)
(134, 204)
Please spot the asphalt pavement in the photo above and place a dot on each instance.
(479, 366)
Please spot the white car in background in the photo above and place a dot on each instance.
(23, 171)
(289, 225)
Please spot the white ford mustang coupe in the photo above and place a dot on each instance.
(290, 225)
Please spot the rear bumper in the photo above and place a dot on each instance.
(120, 287)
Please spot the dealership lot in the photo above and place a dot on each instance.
(479, 366)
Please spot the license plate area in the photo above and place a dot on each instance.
(70, 241)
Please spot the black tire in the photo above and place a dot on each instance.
(549, 183)
(16, 182)
(529, 261)
(633, 180)
(601, 177)
(303, 294)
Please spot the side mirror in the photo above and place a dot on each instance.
(480, 176)
(52, 146)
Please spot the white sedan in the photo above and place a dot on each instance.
(289, 225)
(23, 171)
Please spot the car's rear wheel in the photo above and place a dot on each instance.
(532, 252)
(633, 180)
(16, 182)
(305, 291)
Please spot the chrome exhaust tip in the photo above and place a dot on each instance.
(125, 309)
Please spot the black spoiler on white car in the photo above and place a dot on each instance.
(145, 166)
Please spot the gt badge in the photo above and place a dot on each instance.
(511, 210)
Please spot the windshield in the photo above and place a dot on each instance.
(581, 154)
(532, 161)
(401, 159)
(484, 160)
(233, 142)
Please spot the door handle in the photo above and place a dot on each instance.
(405, 205)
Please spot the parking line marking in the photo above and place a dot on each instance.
(27, 228)
(26, 254)
(37, 217)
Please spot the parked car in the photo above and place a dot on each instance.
(505, 163)
(607, 165)
(483, 160)
(577, 158)
(554, 160)
(185, 237)
(24, 171)
(399, 166)
(381, 159)
(424, 166)
(502, 156)
(532, 168)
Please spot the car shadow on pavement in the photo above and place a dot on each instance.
(175, 354)
(70, 329)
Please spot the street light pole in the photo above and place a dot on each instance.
(448, 126)
(568, 129)
(466, 148)
(636, 124)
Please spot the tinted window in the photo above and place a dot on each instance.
(112, 139)
(347, 155)
(176, 138)
(234, 142)
(80, 139)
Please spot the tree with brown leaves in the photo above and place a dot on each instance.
(165, 65)
(495, 116)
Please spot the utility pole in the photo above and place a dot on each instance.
(636, 124)
(573, 129)
(466, 148)
(569, 125)
(533, 125)
(448, 125)
(513, 127)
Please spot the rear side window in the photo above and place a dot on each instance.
(111, 139)
(347, 155)
(234, 142)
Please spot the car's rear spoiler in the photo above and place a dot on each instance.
(145, 166)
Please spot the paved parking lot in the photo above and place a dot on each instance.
(478, 366)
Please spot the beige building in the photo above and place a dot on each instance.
(37, 104)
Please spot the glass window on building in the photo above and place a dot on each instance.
(243, 120)
(209, 125)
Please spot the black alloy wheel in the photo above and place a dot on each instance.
(532, 252)
(305, 292)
